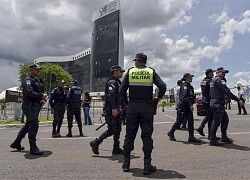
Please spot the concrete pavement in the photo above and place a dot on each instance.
(72, 158)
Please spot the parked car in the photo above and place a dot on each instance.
(200, 109)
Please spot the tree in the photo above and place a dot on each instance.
(47, 69)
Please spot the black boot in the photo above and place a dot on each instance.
(17, 144)
(208, 137)
(34, 149)
(58, 134)
(126, 164)
(80, 131)
(117, 149)
(171, 135)
(200, 131)
(148, 167)
(69, 133)
(58, 131)
(213, 141)
(225, 139)
(194, 139)
(95, 145)
(54, 134)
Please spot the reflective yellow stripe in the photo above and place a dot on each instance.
(141, 77)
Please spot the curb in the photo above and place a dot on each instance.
(21, 125)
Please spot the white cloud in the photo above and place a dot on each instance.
(10, 69)
(219, 18)
(204, 40)
(64, 28)
(242, 74)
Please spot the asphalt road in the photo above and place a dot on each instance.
(72, 158)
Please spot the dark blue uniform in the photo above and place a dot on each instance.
(32, 96)
(111, 102)
(140, 112)
(205, 90)
(112, 111)
(187, 99)
(219, 91)
(73, 103)
(57, 103)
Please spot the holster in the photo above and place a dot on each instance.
(219, 114)
(107, 111)
(155, 103)
(180, 115)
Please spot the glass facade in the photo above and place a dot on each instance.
(80, 71)
(91, 67)
(105, 49)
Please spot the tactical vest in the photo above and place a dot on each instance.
(215, 92)
(59, 95)
(205, 89)
(190, 93)
(37, 87)
(117, 85)
(75, 99)
(140, 83)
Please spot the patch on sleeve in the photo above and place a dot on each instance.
(185, 87)
(110, 88)
(223, 82)
(28, 82)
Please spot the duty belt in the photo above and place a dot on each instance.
(148, 101)
(31, 103)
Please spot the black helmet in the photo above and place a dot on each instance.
(116, 68)
(34, 66)
(141, 56)
(74, 82)
(209, 71)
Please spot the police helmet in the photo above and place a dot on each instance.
(209, 71)
(61, 81)
(141, 56)
(221, 69)
(116, 68)
(187, 75)
(74, 82)
(34, 66)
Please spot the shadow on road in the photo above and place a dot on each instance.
(29, 156)
(159, 174)
(187, 143)
(237, 147)
(118, 158)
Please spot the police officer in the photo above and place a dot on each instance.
(241, 96)
(177, 103)
(205, 91)
(57, 104)
(218, 92)
(112, 110)
(73, 103)
(140, 111)
(33, 97)
(186, 108)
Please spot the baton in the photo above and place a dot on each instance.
(100, 126)
(106, 122)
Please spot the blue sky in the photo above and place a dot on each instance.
(178, 36)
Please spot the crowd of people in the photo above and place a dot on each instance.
(138, 104)
(215, 95)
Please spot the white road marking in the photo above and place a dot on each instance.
(72, 138)
(171, 116)
(234, 133)
(81, 138)
(163, 122)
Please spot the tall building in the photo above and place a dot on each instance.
(91, 67)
